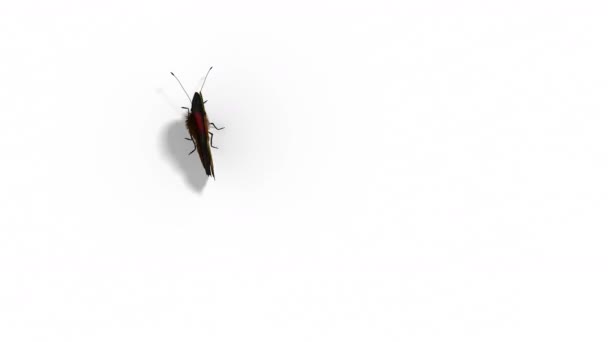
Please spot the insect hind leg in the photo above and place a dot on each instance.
(193, 143)
(211, 140)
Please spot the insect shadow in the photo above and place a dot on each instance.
(177, 148)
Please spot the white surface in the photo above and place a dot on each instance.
(390, 171)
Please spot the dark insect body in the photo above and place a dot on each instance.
(198, 126)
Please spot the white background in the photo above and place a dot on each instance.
(390, 171)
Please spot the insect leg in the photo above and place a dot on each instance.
(186, 108)
(193, 143)
(212, 124)
(211, 140)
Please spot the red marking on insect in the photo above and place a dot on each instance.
(198, 124)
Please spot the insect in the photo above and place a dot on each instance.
(198, 126)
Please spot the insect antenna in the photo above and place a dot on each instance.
(205, 80)
(180, 84)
